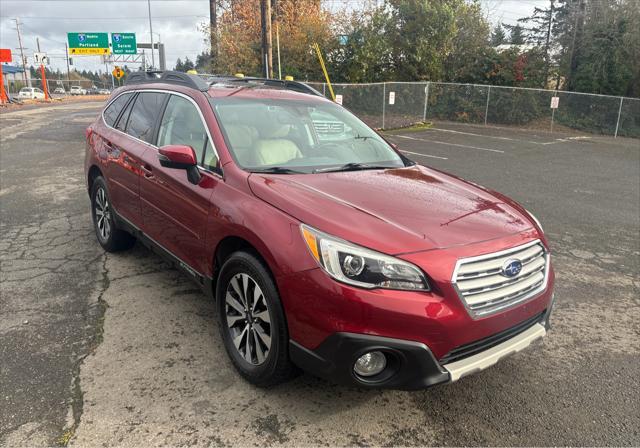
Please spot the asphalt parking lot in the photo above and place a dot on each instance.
(121, 349)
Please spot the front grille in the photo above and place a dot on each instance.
(464, 351)
(485, 290)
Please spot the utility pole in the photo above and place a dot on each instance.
(275, 19)
(213, 29)
(24, 61)
(265, 9)
(153, 60)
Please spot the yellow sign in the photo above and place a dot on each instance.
(89, 51)
(117, 72)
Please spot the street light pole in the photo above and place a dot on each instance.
(66, 51)
(160, 56)
(153, 61)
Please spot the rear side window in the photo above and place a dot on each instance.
(111, 113)
(121, 124)
(144, 114)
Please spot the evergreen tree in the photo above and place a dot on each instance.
(538, 31)
(188, 64)
(537, 28)
(516, 34)
(498, 36)
(203, 62)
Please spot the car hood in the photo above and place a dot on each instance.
(395, 210)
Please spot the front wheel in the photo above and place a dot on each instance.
(252, 321)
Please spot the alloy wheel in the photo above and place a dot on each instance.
(248, 319)
(103, 214)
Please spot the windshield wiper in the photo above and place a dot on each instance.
(276, 170)
(352, 166)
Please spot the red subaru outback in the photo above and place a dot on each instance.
(324, 247)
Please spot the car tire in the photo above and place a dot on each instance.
(246, 279)
(110, 237)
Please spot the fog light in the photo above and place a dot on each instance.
(370, 364)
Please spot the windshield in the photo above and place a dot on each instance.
(26, 89)
(290, 136)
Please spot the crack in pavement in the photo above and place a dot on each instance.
(48, 274)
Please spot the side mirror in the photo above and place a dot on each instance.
(180, 157)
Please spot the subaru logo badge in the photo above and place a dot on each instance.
(511, 267)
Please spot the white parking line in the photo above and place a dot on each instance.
(424, 155)
(552, 142)
(458, 145)
(451, 131)
(567, 139)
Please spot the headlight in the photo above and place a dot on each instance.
(362, 267)
(536, 220)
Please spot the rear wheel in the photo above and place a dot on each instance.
(110, 237)
(252, 322)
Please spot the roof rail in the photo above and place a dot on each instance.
(296, 86)
(167, 77)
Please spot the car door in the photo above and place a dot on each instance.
(125, 145)
(174, 210)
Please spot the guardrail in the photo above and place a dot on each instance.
(399, 104)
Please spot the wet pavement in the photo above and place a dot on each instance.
(121, 349)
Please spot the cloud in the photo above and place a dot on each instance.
(177, 23)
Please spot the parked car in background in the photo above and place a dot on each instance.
(31, 93)
(104, 92)
(60, 91)
(77, 90)
(323, 245)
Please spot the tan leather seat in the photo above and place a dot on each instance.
(242, 139)
(274, 148)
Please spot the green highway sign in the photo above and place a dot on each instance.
(88, 43)
(123, 43)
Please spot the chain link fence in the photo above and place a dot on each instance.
(400, 104)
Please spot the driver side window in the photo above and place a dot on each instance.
(181, 125)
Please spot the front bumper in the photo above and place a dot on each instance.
(411, 365)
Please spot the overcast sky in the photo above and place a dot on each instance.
(177, 22)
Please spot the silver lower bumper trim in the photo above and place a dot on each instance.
(491, 356)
